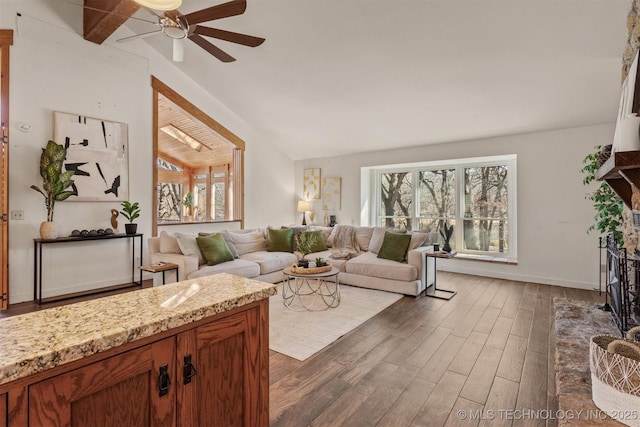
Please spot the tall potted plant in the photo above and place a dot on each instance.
(130, 211)
(606, 202)
(54, 184)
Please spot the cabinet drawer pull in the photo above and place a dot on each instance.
(189, 370)
(164, 381)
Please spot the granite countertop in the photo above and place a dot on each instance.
(44, 339)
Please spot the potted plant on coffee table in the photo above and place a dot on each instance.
(54, 184)
(130, 211)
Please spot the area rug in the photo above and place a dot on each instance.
(575, 323)
(301, 334)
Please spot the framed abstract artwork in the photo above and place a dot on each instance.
(331, 188)
(97, 153)
(311, 184)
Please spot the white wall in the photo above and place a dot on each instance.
(54, 69)
(553, 215)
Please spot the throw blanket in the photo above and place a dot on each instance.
(343, 239)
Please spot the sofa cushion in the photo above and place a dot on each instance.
(214, 249)
(271, 261)
(280, 240)
(189, 246)
(239, 267)
(368, 264)
(227, 240)
(315, 239)
(246, 242)
(363, 237)
(394, 246)
(169, 244)
(377, 238)
(417, 239)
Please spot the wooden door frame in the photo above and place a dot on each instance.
(6, 40)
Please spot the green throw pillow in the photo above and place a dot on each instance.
(394, 246)
(315, 240)
(214, 249)
(280, 240)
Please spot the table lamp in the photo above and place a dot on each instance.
(304, 206)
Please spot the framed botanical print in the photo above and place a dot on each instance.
(331, 188)
(311, 184)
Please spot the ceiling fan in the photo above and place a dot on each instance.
(178, 27)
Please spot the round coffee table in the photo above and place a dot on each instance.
(309, 288)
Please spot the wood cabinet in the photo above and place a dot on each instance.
(214, 372)
(3, 409)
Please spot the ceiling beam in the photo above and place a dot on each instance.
(102, 17)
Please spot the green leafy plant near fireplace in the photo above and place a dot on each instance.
(606, 202)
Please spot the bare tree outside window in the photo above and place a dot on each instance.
(486, 208)
(396, 197)
(437, 193)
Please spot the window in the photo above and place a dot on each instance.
(476, 196)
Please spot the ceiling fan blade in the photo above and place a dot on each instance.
(209, 47)
(224, 10)
(229, 36)
(139, 36)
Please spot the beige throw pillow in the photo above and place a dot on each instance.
(189, 246)
(376, 240)
(169, 244)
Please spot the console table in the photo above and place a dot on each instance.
(37, 259)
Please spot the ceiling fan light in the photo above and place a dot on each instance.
(178, 50)
(160, 4)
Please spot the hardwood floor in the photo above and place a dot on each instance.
(472, 361)
(484, 358)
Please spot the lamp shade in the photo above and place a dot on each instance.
(304, 206)
(160, 4)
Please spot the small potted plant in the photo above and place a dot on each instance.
(188, 204)
(446, 232)
(54, 184)
(130, 211)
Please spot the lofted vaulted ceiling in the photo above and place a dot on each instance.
(216, 150)
(341, 77)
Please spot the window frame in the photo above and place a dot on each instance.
(372, 187)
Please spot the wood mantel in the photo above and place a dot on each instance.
(622, 171)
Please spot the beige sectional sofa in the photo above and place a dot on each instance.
(355, 255)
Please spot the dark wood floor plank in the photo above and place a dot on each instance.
(481, 377)
(502, 398)
(424, 351)
(437, 408)
(522, 322)
(468, 354)
(350, 401)
(500, 333)
(437, 366)
(465, 413)
(383, 398)
(369, 361)
(513, 358)
(532, 393)
(404, 349)
(405, 408)
(468, 323)
(488, 320)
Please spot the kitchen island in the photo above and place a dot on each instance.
(188, 353)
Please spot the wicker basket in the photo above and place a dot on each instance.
(615, 381)
(313, 270)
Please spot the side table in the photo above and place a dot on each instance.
(161, 267)
(439, 293)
